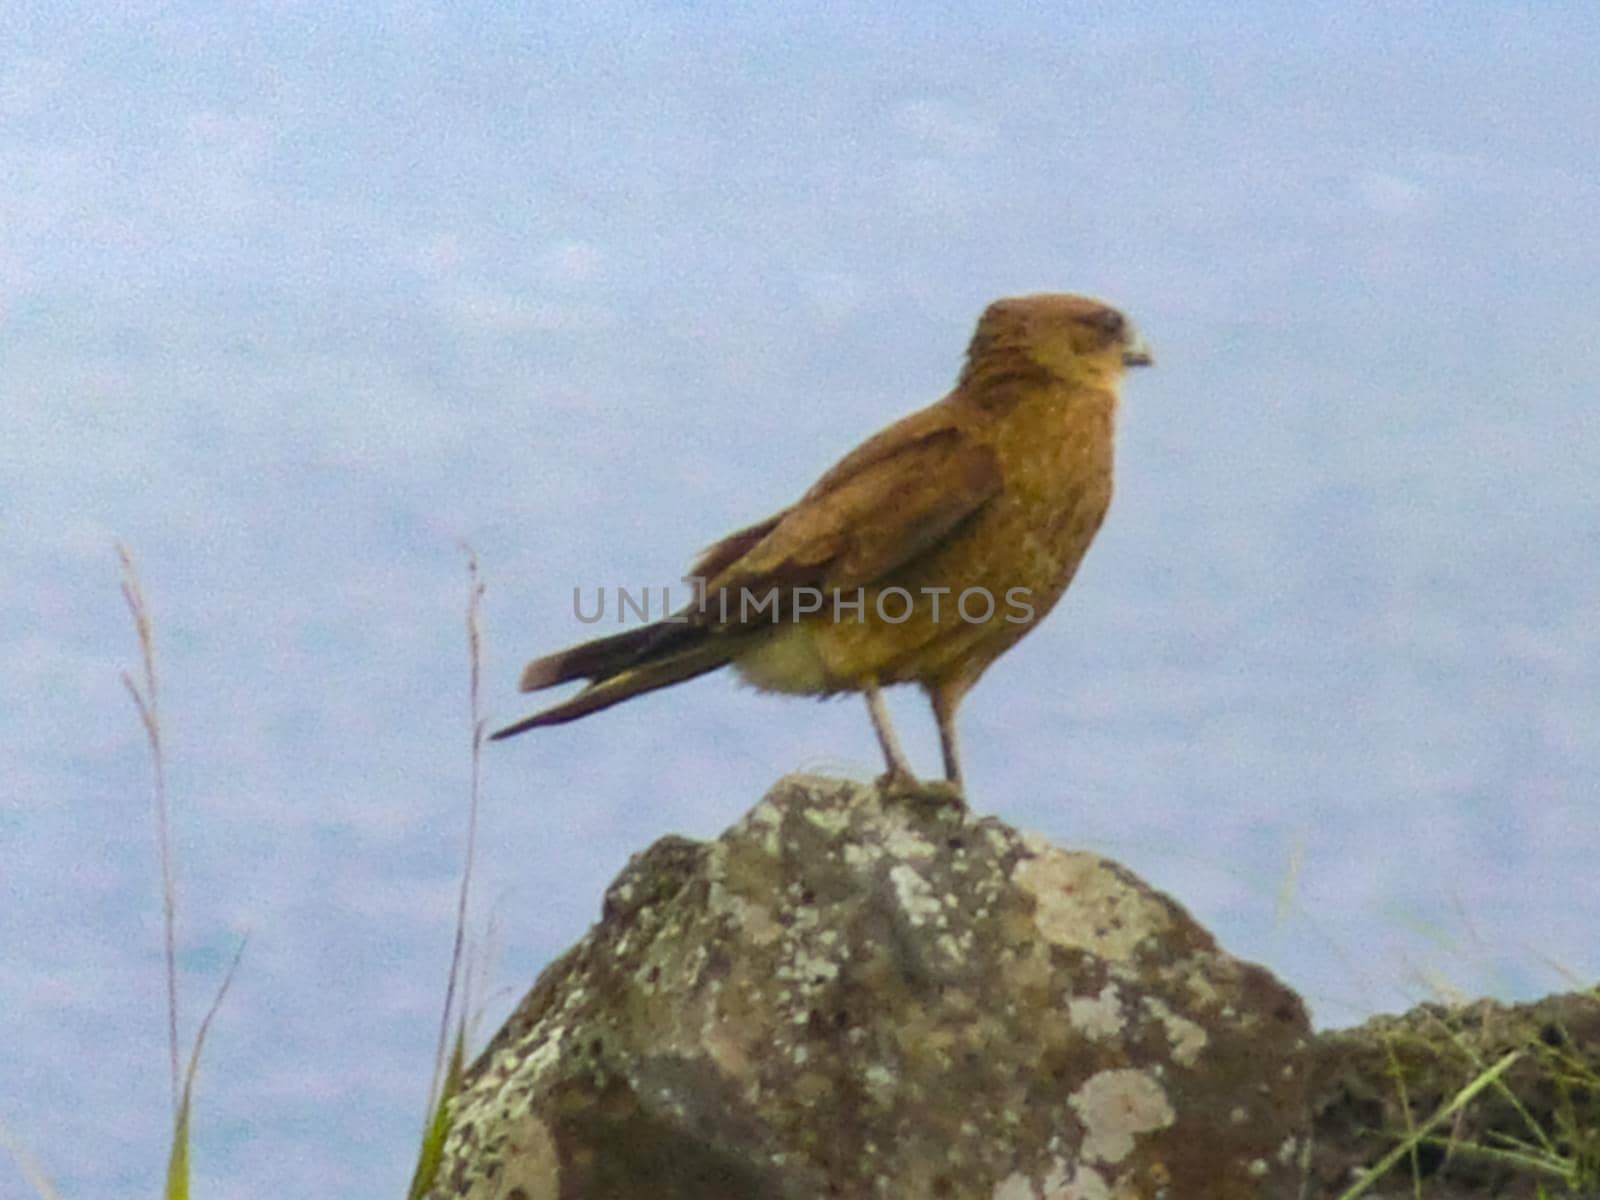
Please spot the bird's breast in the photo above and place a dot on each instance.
(961, 604)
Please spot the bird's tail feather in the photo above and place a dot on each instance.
(698, 659)
(608, 655)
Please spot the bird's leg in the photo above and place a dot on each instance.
(900, 773)
(945, 698)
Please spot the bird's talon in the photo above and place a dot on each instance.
(943, 791)
(898, 783)
(901, 785)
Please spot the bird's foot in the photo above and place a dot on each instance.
(902, 785)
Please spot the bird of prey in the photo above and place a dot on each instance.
(924, 555)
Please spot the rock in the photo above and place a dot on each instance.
(848, 995)
(1363, 1081)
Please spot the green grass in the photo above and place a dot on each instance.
(1531, 1114)
(450, 1054)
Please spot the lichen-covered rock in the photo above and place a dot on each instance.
(850, 995)
(1372, 1084)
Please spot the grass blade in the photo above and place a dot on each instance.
(178, 1160)
(1461, 1099)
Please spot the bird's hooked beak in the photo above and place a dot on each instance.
(1135, 350)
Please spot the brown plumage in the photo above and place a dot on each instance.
(995, 491)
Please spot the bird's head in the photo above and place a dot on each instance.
(1072, 337)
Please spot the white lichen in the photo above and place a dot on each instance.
(1116, 1107)
(1080, 904)
(829, 820)
(878, 1078)
(1185, 1037)
(1097, 1017)
(531, 1165)
(763, 824)
(917, 898)
(1015, 1186)
(857, 856)
(902, 843)
(1086, 1184)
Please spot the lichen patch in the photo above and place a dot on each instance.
(1186, 1038)
(1116, 1107)
(1097, 1017)
(1080, 904)
(917, 898)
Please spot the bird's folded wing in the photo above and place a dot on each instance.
(717, 558)
(890, 502)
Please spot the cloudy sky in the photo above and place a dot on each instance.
(298, 303)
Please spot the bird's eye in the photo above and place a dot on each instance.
(1108, 321)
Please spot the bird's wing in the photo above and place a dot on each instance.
(716, 558)
(886, 504)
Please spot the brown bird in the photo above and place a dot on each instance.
(920, 558)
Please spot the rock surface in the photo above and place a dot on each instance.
(854, 996)
(1364, 1081)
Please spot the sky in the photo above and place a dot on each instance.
(304, 306)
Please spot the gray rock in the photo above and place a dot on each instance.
(848, 995)
(1372, 1084)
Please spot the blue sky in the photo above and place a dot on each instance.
(296, 302)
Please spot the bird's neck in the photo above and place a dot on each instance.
(1005, 379)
